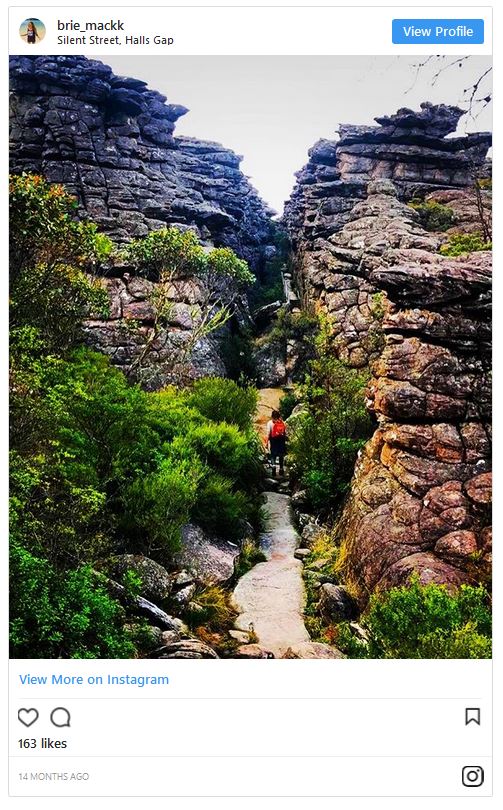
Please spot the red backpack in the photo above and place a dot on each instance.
(278, 429)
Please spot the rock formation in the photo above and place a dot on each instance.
(421, 322)
(420, 494)
(411, 150)
(110, 141)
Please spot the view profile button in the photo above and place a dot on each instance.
(438, 32)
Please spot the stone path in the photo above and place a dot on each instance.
(270, 597)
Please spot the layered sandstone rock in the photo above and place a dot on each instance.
(110, 141)
(129, 324)
(405, 155)
(419, 498)
(410, 148)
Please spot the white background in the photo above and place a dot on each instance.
(366, 675)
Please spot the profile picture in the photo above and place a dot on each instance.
(32, 31)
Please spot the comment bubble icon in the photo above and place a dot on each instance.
(60, 717)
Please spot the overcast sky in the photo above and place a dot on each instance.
(272, 109)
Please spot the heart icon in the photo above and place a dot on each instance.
(27, 716)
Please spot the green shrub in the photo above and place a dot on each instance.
(223, 262)
(425, 621)
(221, 446)
(51, 255)
(485, 183)
(55, 615)
(286, 404)
(333, 425)
(99, 466)
(220, 509)
(224, 401)
(178, 255)
(460, 244)
(158, 504)
(215, 613)
(433, 215)
(293, 326)
(165, 249)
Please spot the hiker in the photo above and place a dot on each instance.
(276, 439)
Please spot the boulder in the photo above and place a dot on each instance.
(186, 648)
(158, 617)
(252, 651)
(310, 534)
(182, 578)
(457, 547)
(313, 649)
(155, 580)
(264, 315)
(336, 604)
(240, 636)
(269, 359)
(212, 559)
(184, 595)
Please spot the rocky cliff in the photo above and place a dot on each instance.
(421, 491)
(411, 150)
(110, 141)
(421, 322)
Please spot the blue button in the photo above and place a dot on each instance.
(438, 32)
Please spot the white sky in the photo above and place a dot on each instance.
(272, 109)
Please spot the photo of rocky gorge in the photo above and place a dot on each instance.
(238, 432)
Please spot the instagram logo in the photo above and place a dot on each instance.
(472, 776)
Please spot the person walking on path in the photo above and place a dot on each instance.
(276, 441)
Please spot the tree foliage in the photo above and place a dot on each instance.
(169, 257)
(330, 429)
(52, 257)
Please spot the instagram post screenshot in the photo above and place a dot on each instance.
(249, 368)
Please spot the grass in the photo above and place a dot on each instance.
(250, 555)
(323, 551)
(216, 614)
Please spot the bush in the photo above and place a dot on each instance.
(157, 505)
(166, 249)
(62, 616)
(460, 244)
(249, 556)
(220, 509)
(433, 215)
(286, 405)
(333, 425)
(51, 255)
(224, 401)
(289, 325)
(99, 466)
(216, 613)
(178, 254)
(424, 621)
